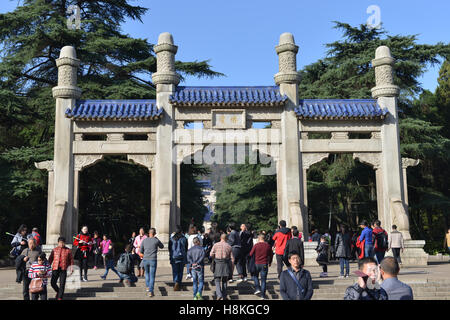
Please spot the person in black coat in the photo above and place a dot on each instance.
(294, 245)
(295, 282)
(343, 250)
(322, 256)
(246, 239)
(234, 240)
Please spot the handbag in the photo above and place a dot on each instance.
(36, 285)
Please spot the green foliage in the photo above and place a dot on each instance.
(114, 65)
(247, 197)
(192, 205)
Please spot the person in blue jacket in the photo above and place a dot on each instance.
(366, 235)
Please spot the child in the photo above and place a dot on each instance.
(108, 257)
(40, 269)
(322, 257)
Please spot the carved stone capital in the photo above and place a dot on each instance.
(376, 135)
(160, 47)
(82, 161)
(385, 91)
(372, 159)
(166, 78)
(146, 160)
(408, 162)
(275, 124)
(47, 165)
(287, 77)
(308, 159)
(66, 92)
(186, 150)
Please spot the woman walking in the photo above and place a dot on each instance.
(137, 245)
(343, 251)
(108, 257)
(96, 249)
(39, 272)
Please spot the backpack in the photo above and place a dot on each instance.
(381, 240)
(177, 251)
(124, 263)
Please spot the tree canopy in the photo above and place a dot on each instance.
(114, 65)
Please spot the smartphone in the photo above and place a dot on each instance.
(361, 274)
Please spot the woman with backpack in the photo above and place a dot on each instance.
(125, 266)
(178, 256)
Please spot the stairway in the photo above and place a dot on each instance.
(332, 288)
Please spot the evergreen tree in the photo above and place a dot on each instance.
(114, 65)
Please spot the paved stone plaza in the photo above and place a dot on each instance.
(429, 283)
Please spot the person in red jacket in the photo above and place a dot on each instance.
(84, 243)
(281, 236)
(380, 240)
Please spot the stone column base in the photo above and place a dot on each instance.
(163, 257)
(310, 253)
(413, 255)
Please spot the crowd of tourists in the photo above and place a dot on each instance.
(238, 248)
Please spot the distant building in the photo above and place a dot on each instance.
(209, 196)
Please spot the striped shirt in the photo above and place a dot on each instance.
(221, 250)
(35, 270)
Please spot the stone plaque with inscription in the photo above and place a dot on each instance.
(228, 118)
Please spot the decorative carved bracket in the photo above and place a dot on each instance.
(47, 165)
(83, 161)
(408, 162)
(372, 159)
(186, 150)
(308, 159)
(146, 160)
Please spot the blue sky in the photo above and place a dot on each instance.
(239, 36)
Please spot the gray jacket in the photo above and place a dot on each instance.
(342, 245)
(149, 247)
(397, 290)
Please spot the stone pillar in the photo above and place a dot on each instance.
(407, 162)
(166, 80)
(153, 198)
(66, 93)
(76, 201)
(291, 173)
(177, 220)
(394, 205)
(48, 165)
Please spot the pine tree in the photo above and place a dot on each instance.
(114, 65)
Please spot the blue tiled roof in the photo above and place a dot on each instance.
(339, 109)
(223, 96)
(114, 110)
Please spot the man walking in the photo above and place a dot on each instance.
(395, 289)
(234, 240)
(380, 237)
(29, 256)
(178, 256)
(366, 288)
(246, 247)
(294, 245)
(281, 236)
(223, 259)
(263, 259)
(366, 236)
(148, 252)
(196, 257)
(296, 282)
(396, 243)
(61, 260)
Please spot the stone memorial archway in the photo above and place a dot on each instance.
(227, 115)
